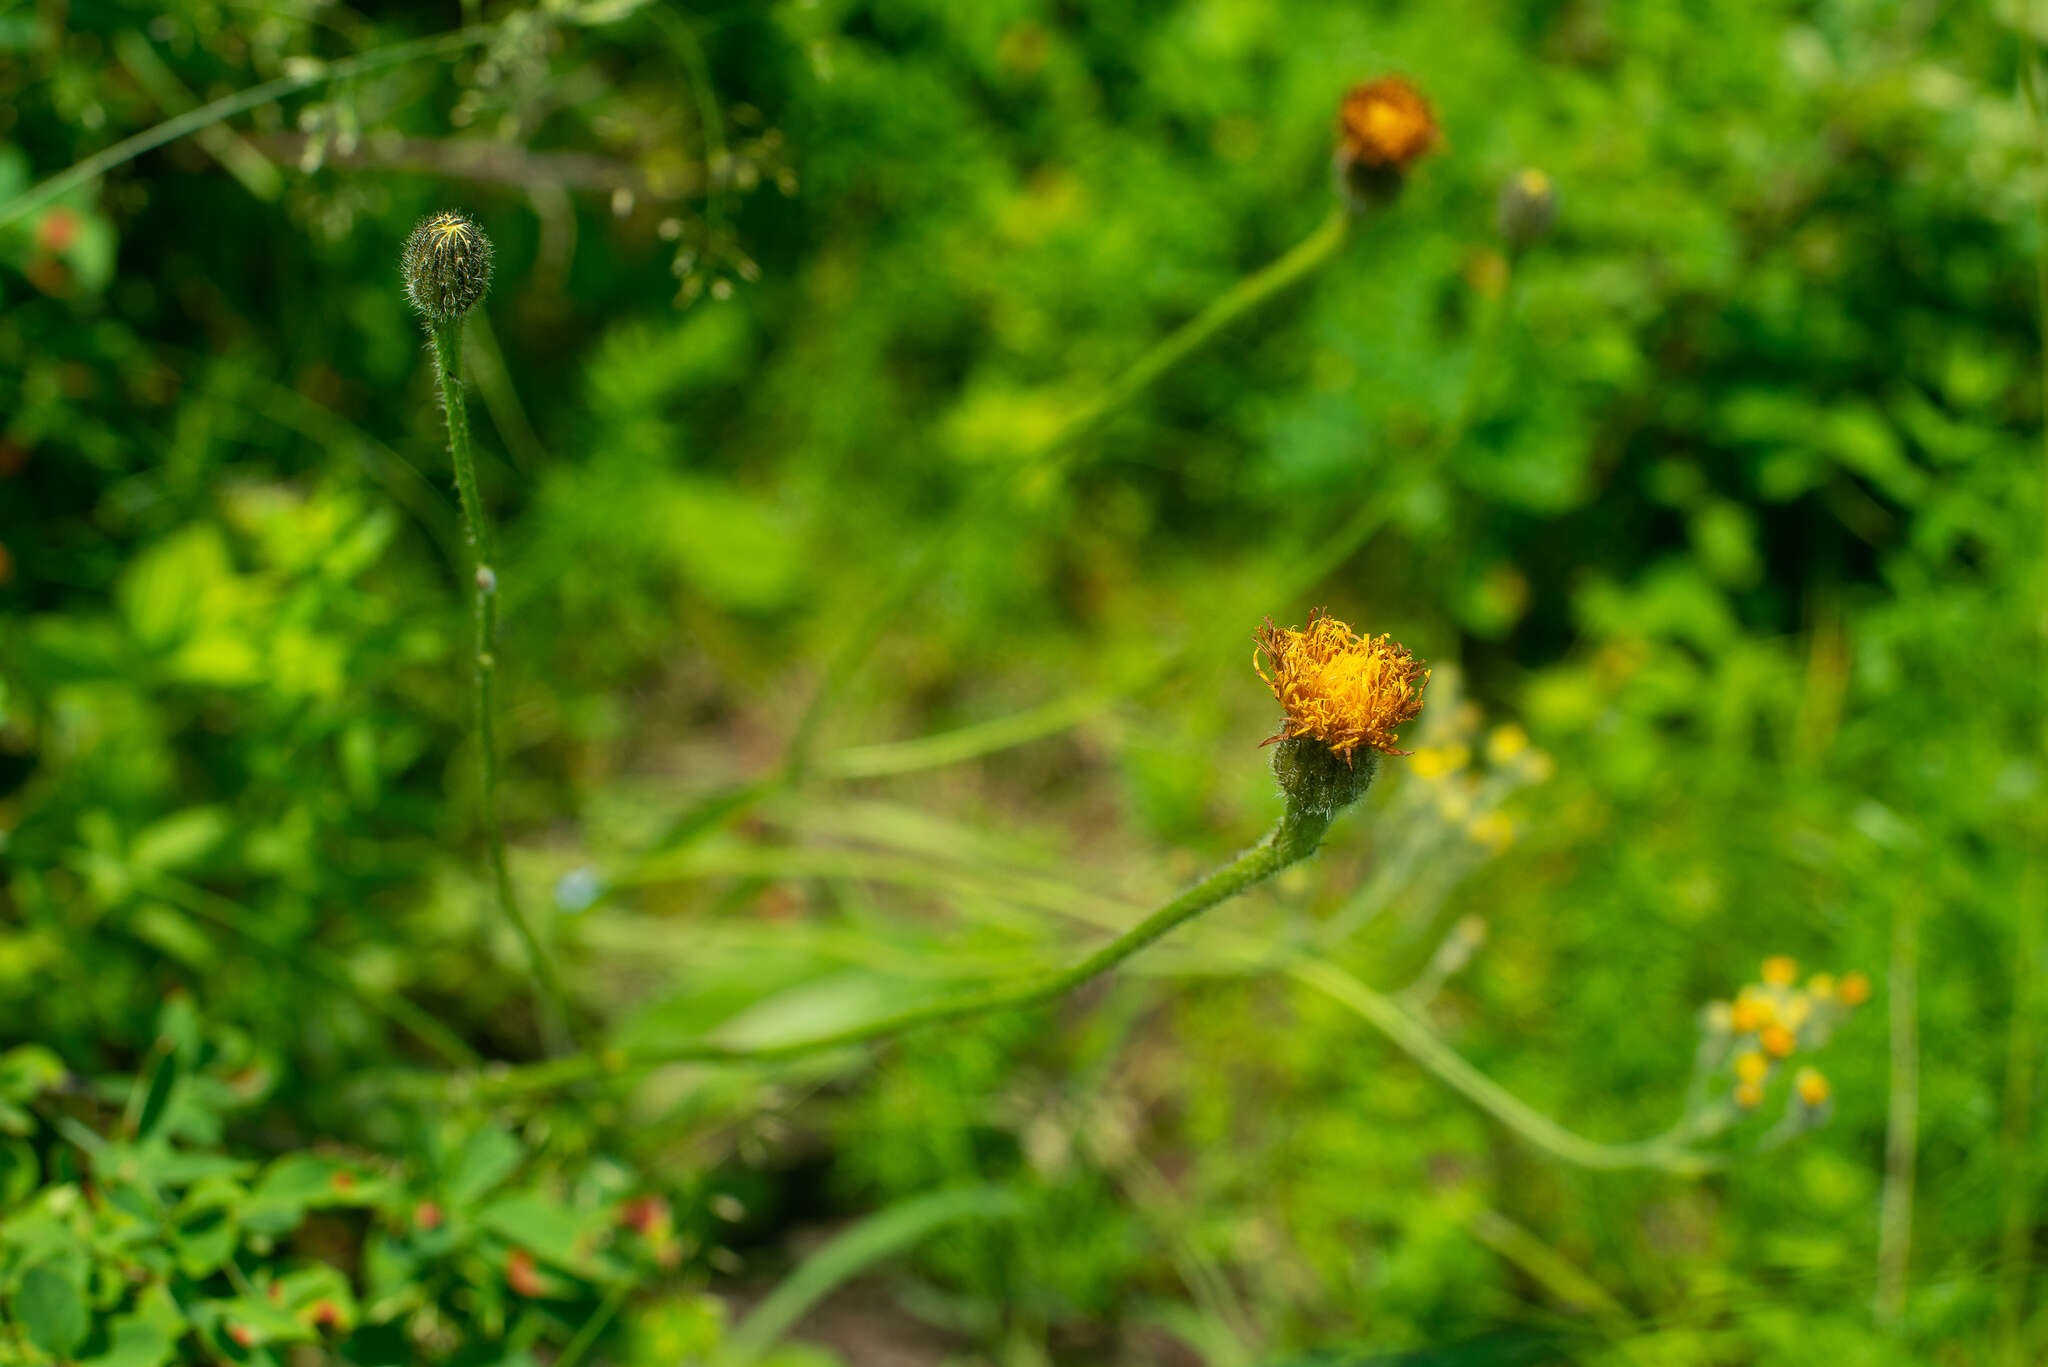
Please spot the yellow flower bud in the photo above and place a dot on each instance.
(1751, 1012)
(1493, 830)
(1822, 986)
(1506, 744)
(1811, 1086)
(1797, 1009)
(1749, 1095)
(1752, 1067)
(1781, 970)
(1777, 1041)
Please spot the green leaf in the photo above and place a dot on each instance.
(878, 1236)
(180, 839)
(135, 1343)
(27, 1071)
(51, 1311)
(19, 1172)
(487, 1159)
(544, 1226)
(161, 1080)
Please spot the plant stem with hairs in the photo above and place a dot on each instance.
(1296, 836)
(447, 268)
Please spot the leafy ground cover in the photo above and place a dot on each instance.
(895, 419)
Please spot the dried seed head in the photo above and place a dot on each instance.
(447, 265)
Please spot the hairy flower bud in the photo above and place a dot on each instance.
(1527, 208)
(447, 265)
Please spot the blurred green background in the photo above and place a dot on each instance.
(1719, 512)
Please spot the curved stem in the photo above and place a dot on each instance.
(1293, 839)
(242, 101)
(447, 348)
(1255, 289)
(1419, 1042)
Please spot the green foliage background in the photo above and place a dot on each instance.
(1729, 493)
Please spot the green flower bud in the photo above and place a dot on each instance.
(1316, 782)
(447, 266)
(1527, 208)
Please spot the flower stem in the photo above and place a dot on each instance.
(1247, 294)
(447, 347)
(1295, 837)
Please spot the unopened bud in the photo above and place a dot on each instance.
(1526, 209)
(447, 265)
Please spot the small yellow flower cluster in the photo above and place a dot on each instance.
(1774, 1018)
(1463, 793)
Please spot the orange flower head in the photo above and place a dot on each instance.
(1385, 123)
(1338, 687)
(1777, 1041)
(1854, 989)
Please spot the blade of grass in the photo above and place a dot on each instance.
(311, 73)
(879, 1236)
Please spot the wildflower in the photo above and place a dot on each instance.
(1854, 989)
(1822, 986)
(1340, 688)
(1434, 761)
(1777, 1041)
(1812, 1088)
(1781, 970)
(1342, 694)
(1506, 744)
(1494, 830)
(1752, 1067)
(1798, 1010)
(1526, 208)
(1383, 128)
(447, 265)
(1749, 1095)
(1751, 1012)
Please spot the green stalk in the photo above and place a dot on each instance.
(1902, 1123)
(1249, 293)
(1295, 837)
(447, 347)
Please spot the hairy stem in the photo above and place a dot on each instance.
(1293, 839)
(447, 347)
